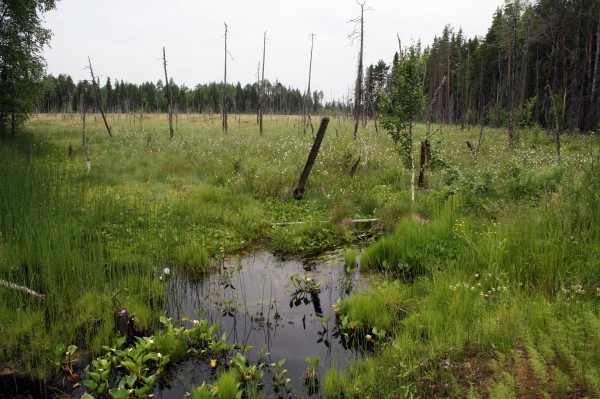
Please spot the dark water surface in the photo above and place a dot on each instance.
(255, 302)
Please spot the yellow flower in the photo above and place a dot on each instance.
(213, 363)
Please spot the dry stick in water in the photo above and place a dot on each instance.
(20, 288)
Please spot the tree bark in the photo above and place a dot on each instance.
(422, 163)
(224, 93)
(358, 89)
(312, 156)
(511, 86)
(556, 128)
(170, 96)
(307, 100)
(261, 97)
(594, 100)
(430, 111)
(98, 101)
(22, 289)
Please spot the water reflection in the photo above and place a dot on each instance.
(246, 296)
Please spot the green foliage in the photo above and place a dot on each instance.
(23, 39)
(533, 184)
(307, 239)
(303, 283)
(403, 104)
(508, 264)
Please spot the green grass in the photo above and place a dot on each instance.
(488, 286)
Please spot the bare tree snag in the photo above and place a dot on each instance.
(358, 88)
(471, 147)
(86, 144)
(307, 99)
(224, 92)
(97, 95)
(556, 127)
(261, 96)
(524, 59)
(22, 289)
(479, 141)
(354, 168)
(425, 157)
(312, 156)
(595, 83)
(512, 53)
(431, 105)
(124, 323)
(170, 96)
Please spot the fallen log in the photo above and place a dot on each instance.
(352, 220)
(22, 289)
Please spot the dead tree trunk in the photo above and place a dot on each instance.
(299, 191)
(224, 93)
(86, 143)
(124, 323)
(97, 95)
(354, 168)
(358, 88)
(594, 100)
(261, 97)
(479, 142)
(512, 136)
(307, 100)
(430, 110)
(170, 96)
(424, 145)
(25, 290)
(556, 128)
(524, 60)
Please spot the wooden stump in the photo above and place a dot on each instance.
(124, 323)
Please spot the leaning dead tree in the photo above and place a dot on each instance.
(312, 156)
(170, 95)
(224, 92)
(97, 96)
(358, 33)
(308, 120)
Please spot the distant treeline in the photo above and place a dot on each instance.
(63, 95)
(538, 64)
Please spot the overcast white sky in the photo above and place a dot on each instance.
(124, 38)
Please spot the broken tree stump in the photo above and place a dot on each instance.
(354, 167)
(299, 191)
(124, 323)
(471, 147)
(424, 145)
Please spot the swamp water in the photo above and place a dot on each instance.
(256, 303)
